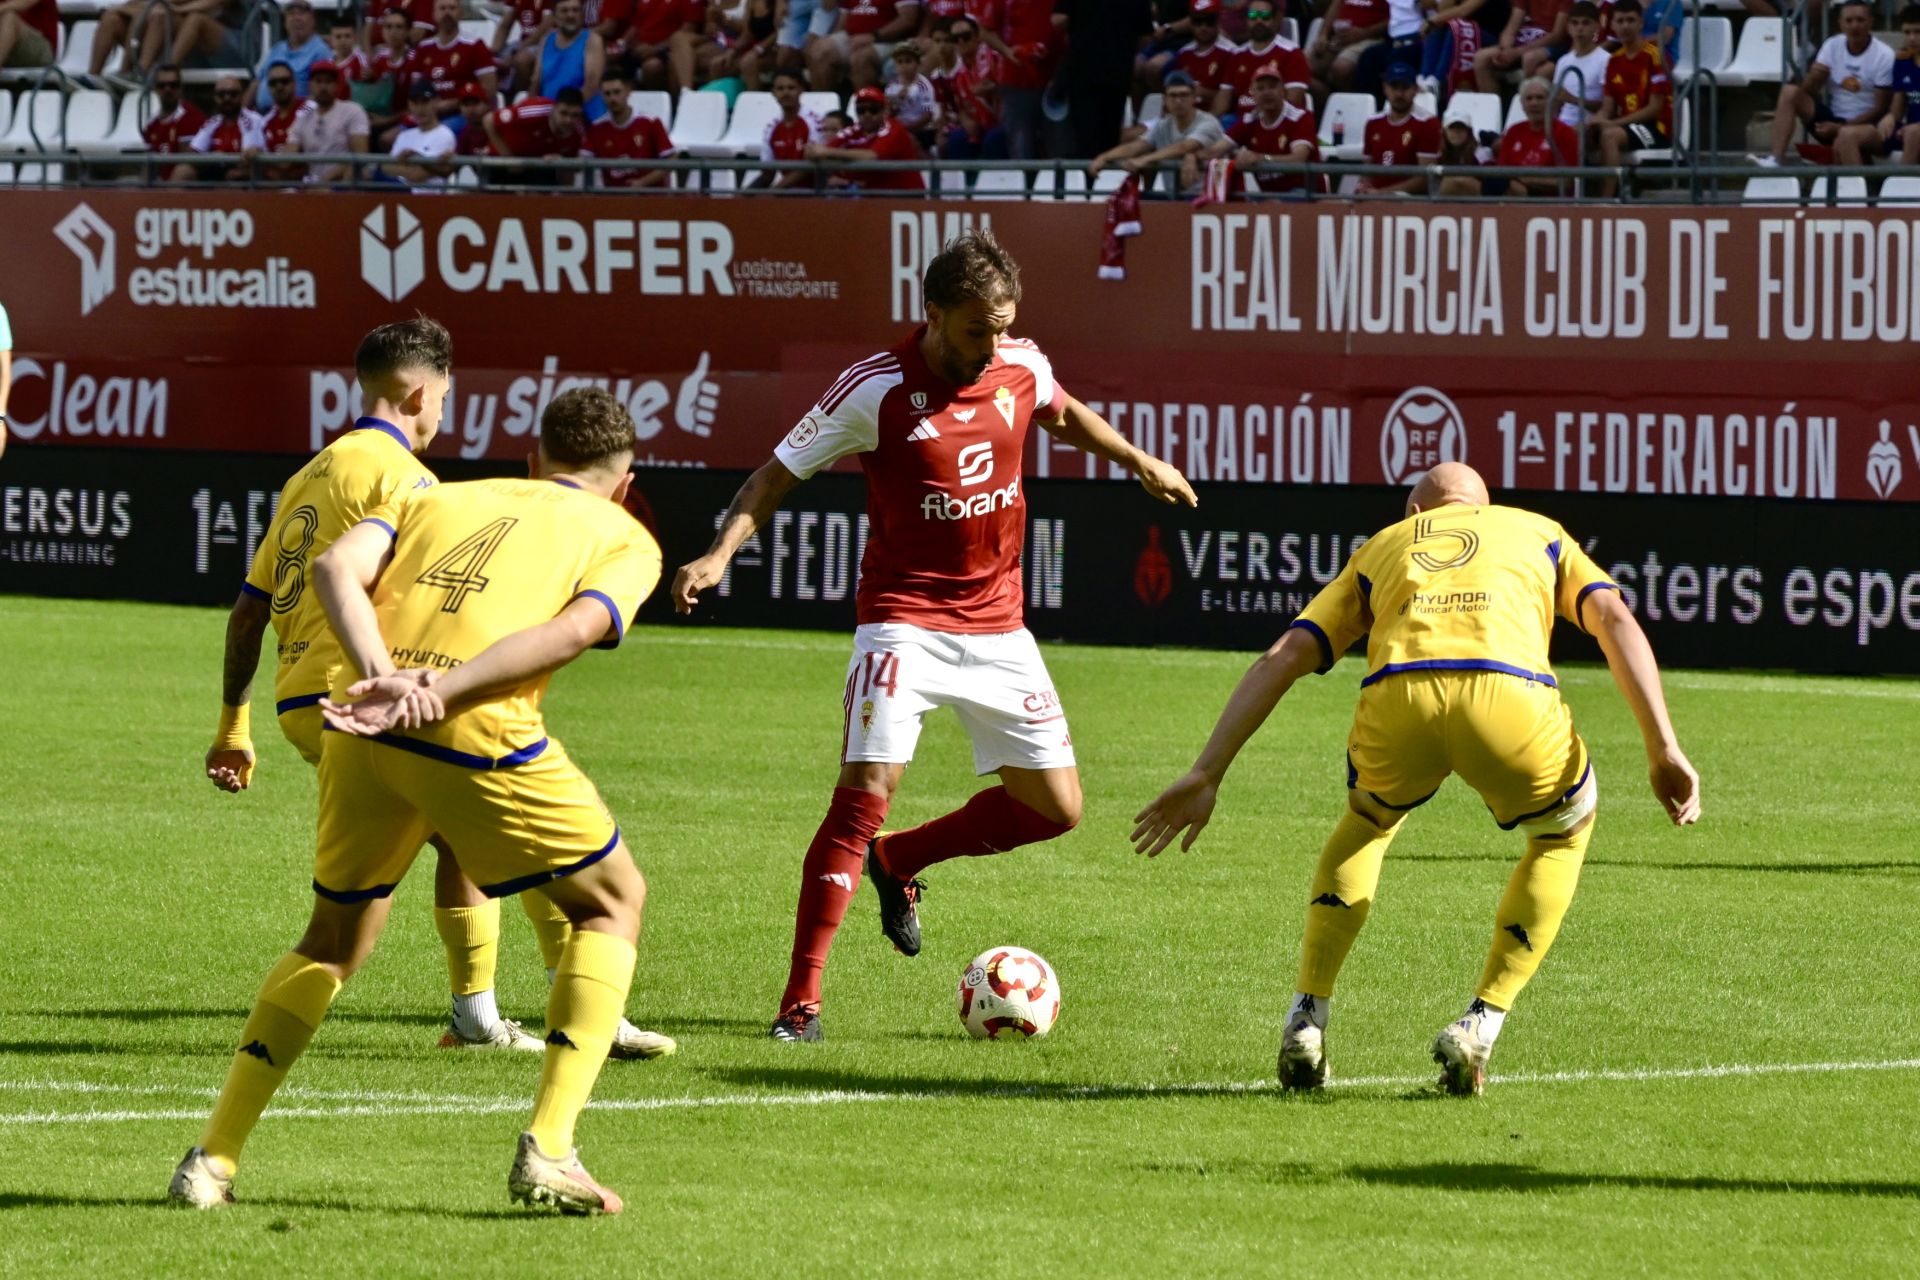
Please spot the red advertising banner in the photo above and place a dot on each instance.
(1678, 352)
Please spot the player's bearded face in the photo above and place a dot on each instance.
(964, 338)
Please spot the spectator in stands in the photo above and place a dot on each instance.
(1461, 148)
(335, 126)
(451, 62)
(1274, 132)
(664, 46)
(807, 23)
(1637, 114)
(788, 137)
(1455, 34)
(1900, 127)
(874, 136)
(910, 97)
(625, 134)
(517, 40)
(1856, 70)
(1529, 145)
(834, 123)
(747, 43)
(968, 85)
(1266, 46)
(1406, 34)
(285, 108)
(29, 32)
(1581, 71)
(207, 33)
(389, 79)
(298, 49)
(571, 57)
(540, 129)
(1212, 63)
(116, 29)
(868, 31)
(1182, 134)
(471, 138)
(1027, 40)
(1103, 39)
(419, 15)
(231, 130)
(422, 155)
(175, 120)
(345, 53)
(1352, 28)
(1402, 134)
(1535, 32)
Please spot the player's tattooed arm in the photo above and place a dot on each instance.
(229, 761)
(1084, 429)
(752, 507)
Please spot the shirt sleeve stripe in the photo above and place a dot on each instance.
(619, 627)
(383, 524)
(1326, 645)
(248, 589)
(1580, 603)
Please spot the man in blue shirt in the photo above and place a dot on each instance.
(300, 49)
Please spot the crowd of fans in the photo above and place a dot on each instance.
(967, 79)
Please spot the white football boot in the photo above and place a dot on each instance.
(198, 1185)
(507, 1034)
(1462, 1054)
(564, 1184)
(1303, 1056)
(631, 1044)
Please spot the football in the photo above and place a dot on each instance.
(1008, 993)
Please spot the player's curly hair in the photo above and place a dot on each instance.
(419, 343)
(971, 266)
(585, 427)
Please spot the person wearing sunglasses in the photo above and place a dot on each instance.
(175, 120)
(873, 136)
(231, 130)
(299, 49)
(285, 109)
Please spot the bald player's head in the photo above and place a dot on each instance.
(1448, 482)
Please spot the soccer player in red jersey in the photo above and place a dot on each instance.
(1265, 46)
(939, 423)
(175, 120)
(1637, 112)
(451, 62)
(1274, 132)
(1527, 143)
(872, 136)
(1213, 62)
(1400, 134)
(625, 134)
(789, 136)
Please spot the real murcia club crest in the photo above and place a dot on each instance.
(1003, 401)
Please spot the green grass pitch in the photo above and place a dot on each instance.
(1140, 1138)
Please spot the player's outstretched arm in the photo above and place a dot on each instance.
(1187, 805)
(343, 576)
(1084, 429)
(1631, 660)
(752, 507)
(230, 759)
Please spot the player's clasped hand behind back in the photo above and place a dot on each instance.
(403, 700)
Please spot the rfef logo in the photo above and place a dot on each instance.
(91, 241)
(393, 263)
(1422, 429)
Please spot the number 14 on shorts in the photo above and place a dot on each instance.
(878, 673)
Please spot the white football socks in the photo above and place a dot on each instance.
(1312, 1008)
(1490, 1018)
(476, 1016)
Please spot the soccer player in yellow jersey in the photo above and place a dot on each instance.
(453, 611)
(403, 370)
(1456, 601)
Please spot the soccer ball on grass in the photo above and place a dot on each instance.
(1008, 993)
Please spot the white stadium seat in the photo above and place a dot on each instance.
(753, 111)
(1771, 190)
(1343, 126)
(77, 46)
(1849, 192)
(37, 109)
(126, 125)
(655, 103)
(817, 102)
(1903, 189)
(1107, 181)
(1757, 59)
(1515, 113)
(6, 111)
(1151, 108)
(480, 29)
(999, 184)
(1485, 108)
(1706, 43)
(700, 121)
(90, 120)
(952, 183)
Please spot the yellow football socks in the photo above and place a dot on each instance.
(589, 992)
(472, 939)
(1530, 912)
(1342, 894)
(549, 926)
(292, 1003)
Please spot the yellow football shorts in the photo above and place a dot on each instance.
(1512, 740)
(301, 726)
(511, 829)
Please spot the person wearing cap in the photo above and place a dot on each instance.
(471, 136)
(422, 153)
(1210, 62)
(335, 126)
(299, 48)
(1402, 134)
(873, 136)
(1275, 131)
(1182, 134)
(1461, 147)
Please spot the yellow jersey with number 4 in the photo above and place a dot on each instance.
(1458, 588)
(477, 561)
(366, 469)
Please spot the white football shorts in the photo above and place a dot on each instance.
(997, 684)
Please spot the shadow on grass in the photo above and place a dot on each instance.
(423, 1019)
(1510, 1177)
(10, 1200)
(832, 1079)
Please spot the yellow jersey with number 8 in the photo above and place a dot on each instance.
(368, 468)
(477, 561)
(1458, 588)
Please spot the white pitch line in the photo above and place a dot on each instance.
(388, 1105)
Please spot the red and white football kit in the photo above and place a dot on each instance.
(451, 66)
(940, 602)
(1283, 53)
(892, 142)
(169, 134)
(1276, 138)
(787, 139)
(1213, 68)
(420, 11)
(220, 135)
(1403, 141)
(1525, 146)
(279, 122)
(640, 138)
(526, 128)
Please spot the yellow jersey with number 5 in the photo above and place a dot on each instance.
(366, 469)
(1459, 588)
(477, 561)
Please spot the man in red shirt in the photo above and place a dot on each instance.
(788, 137)
(539, 128)
(625, 134)
(419, 15)
(1352, 27)
(452, 63)
(664, 42)
(175, 120)
(1026, 38)
(868, 31)
(873, 136)
(231, 130)
(475, 107)
(1266, 47)
(1213, 63)
(939, 423)
(1528, 144)
(1275, 131)
(285, 107)
(523, 25)
(29, 32)
(1400, 135)
(1637, 111)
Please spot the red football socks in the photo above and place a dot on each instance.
(992, 822)
(828, 879)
